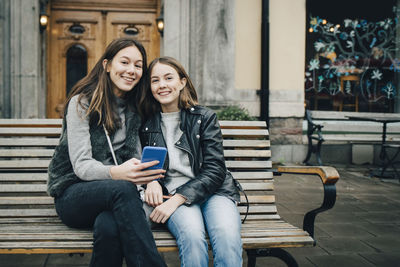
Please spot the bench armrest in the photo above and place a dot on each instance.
(329, 176)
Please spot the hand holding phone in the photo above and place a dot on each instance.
(151, 153)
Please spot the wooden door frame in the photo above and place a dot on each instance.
(54, 97)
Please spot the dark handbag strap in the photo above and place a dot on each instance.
(239, 186)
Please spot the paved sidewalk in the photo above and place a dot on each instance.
(363, 228)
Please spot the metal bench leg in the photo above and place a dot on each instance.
(251, 257)
(328, 203)
(390, 162)
(318, 153)
(279, 253)
(309, 152)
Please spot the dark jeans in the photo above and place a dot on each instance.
(114, 210)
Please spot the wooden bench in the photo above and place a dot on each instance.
(335, 128)
(29, 223)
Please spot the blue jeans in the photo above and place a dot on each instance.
(114, 210)
(220, 217)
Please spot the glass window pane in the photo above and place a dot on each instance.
(352, 57)
(76, 65)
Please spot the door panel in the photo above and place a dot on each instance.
(61, 39)
(148, 35)
(92, 29)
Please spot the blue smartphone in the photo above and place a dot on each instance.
(151, 153)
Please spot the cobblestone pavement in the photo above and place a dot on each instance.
(363, 228)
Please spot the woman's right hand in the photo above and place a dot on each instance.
(133, 170)
(153, 195)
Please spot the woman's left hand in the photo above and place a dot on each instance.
(162, 212)
(153, 195)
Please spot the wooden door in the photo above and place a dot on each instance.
(79, 34)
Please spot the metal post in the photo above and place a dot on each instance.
(264, 94)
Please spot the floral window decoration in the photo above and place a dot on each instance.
(356, 59)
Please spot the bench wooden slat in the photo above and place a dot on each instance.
(55, 235)
(258, 199)
(253, 209)
(28, 142)
(235, 164)
(357, 127)
(42, 177)
(9, 188)
(49, 244)
(247, 143)
(22, 177)
(30, 122)
(272, 233)
(43, 200)
(247, 153)
(263, 186)
(264, 209)
(242, 124)
(34, 131)
(49, 153)
(292, 241)
(54, 224)
(242, 133)
(251, 218)
(282, 242)
(33, 153)
(24, 164)
(278, 224)
(252, 175)
(28, 212)
(48, 236)
(261, 217)
(340, 138)
(39, 200)
(30, 221)
(273, 220)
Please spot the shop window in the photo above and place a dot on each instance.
(76, 65)
(353, 55)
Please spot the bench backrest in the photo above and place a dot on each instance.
(26, 147)
(337, 128)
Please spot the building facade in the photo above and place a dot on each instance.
(252, 53)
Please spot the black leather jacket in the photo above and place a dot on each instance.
(202, 140)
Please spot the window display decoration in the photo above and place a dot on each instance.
(369, 52)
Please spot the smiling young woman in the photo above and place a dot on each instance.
(125, 70)
(94, 183)
(202, 192)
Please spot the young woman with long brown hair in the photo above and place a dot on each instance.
(203, 194)
(95, 170)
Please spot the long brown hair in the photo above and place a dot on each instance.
(96, 87)
(148, 105)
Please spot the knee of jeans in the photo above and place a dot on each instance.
(227, 235)
(105, 227)
(125, 189)
(192, 239)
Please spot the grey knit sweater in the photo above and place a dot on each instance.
(79, 146)
(61, 171)
(179, 169)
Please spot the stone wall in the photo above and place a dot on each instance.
(4, 59)
(201, 35)
(23, 91)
